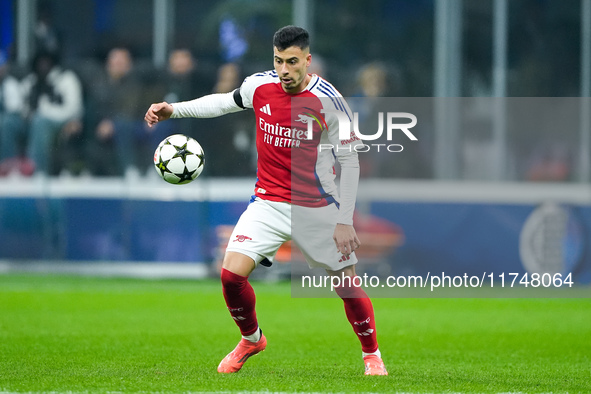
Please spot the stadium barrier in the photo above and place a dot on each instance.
(457, 227)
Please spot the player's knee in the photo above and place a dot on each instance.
(231, 282)
(238, 263)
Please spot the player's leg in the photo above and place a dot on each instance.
(238, 292)
(240, 300)
(261, 229)
(313, 229)
(360, 313)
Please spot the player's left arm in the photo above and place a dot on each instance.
(345, 236)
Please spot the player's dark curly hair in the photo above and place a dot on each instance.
(291, 36)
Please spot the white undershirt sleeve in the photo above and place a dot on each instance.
(348, 187)
(209, 106)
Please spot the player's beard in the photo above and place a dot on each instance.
(292, 86)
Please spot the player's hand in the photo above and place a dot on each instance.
(157, 113)
(345, 238)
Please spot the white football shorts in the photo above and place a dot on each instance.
(265, 225)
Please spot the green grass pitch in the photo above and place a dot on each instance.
(74, 334)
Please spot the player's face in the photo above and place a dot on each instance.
(292, 65)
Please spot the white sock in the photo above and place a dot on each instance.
(376, 353)
(254, 338)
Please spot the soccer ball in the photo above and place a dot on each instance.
(179, 159)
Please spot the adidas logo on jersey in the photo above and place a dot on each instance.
(266, 109)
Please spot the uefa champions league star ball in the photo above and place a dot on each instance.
(179, 159)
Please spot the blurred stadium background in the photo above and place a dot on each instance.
(480, 191)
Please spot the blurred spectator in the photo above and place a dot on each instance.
(373, 80)
(46, 35)
(181, 82)
(229, 78)
(233, 42)
(12, 135)
(375, 84)
(53, 106)
(371, 85)
(115, 100)
(181, 78)
(228, 137)
(318, 66)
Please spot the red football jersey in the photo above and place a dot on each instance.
(296, 141)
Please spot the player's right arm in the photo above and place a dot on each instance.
(209, 106)
(212, 105)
